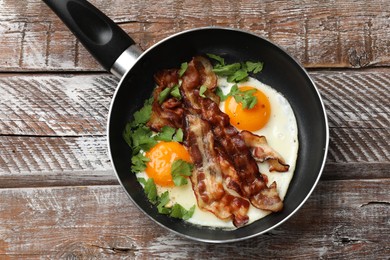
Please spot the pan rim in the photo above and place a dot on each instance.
(325, 148)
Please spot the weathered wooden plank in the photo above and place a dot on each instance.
(67, 154)
(338, 34)
(58, 179)
(51, 105)
(347, 219)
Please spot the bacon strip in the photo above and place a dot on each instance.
(261, 151)
(207, 179)
(170, 112)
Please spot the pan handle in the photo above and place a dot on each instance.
(113, 48)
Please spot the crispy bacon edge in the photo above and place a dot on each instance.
(170, 112)
(207, 177)
(261, 151)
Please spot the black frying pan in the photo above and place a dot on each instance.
(117, 53)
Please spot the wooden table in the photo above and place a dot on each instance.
(59, 197)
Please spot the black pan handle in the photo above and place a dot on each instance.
(104, 39)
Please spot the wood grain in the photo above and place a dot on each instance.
(341, 219)
(55, 105)
(319, 34)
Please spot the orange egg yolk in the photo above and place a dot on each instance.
(249, 119)
(161, 156)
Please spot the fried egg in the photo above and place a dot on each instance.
(272, 117)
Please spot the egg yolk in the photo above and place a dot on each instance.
(161, 156)
(249, 119)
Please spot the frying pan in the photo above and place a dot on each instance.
(119, 54)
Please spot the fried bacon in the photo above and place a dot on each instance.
(170, 112)
(207, 179)
(205, 69)
(261, 151)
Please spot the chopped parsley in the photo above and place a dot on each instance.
(166, 134)
(150, 189)
(183, 69)
(245, 97)
(202, 90)
(143, 115)
(162, 201)
(138, 162)
(222, 96)
(235, 72)
(142, 139)
(180, 170)
(170, 91)
(175, 92)
(178, 136)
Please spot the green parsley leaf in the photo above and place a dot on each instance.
(219, 59)
(227, 70)
(179, 211)
(151, 190)
(163, 200)
(141, 180)
(163, 95)
(187, 215)
(139, 162)
(202, 90)
(183, 69)
(143, 115)
(169, 134)
(178, 136)
(254, 67)
(222, 96)
(234, 90)
(238, 76)
(166, 134)
(236, 72)
(175, 92)
(176, 211)
(142, 139)
(246, 97)
(180, 170)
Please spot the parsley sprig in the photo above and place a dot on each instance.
(162, 201)
(141, 138)
(245, 97)
(170, 91)
(235, 72)
(180, 170)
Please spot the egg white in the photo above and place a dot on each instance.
(281, 132)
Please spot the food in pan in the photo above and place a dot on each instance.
(213, 145)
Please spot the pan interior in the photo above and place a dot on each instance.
(280, 72)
